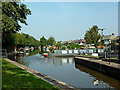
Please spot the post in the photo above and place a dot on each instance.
(109, 50)
(119, 31)
(119, 49)
(105, 53)
(109, 53)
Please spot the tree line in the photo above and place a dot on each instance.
(25, 40)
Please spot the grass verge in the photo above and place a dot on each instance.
(89, 56)
(15, 77)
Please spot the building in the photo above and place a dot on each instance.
(80, 42)
(107, 39)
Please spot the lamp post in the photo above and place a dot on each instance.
(119, 49)
(101, 34)
(118, 41)
(102, 39)
(109, 50)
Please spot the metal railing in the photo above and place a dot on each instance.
(3, 53)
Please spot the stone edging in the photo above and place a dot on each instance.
(57, 83)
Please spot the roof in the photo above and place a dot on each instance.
(116, 38)
(110, 37)
(100, 46)
(53, 46)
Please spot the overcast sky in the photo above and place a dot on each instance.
(70, 20)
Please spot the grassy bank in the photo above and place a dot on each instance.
(15, 77)
(89, 56)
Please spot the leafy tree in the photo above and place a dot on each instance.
(51, 41)
(77, 46)
(72, 46)
(58, 44)
(25, 40)
(69, 47)
(88, 37)
(13, 13)
(63, 47)
(81, 46)
(0, 22)
(92, 36)
(51, 49)
(9, 42)
(43, 42)
(66, 44)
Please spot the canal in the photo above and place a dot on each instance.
(66, 70)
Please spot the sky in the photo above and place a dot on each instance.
(70, 20)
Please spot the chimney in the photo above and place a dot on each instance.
(113, 34)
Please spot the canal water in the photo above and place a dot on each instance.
(66, 70)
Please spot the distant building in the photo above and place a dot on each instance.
(52, 46)
(107, 39)
(80, 42)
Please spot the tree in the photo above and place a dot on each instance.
(51, 49)
(23, 39)
(66, 44)
(43, 42)
(72, 46)
(51, 41)
(92, 36)
(58, 44)
(13, 13)
(77, 46)
(63, 47)
(69, 47)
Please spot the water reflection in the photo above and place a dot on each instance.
(27, 53)
(66, 70)
(100, 79)
(18, 58)
(95, 82)
(57, 60)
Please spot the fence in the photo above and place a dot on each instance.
(3, 53)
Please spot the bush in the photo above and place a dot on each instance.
(63, 47)
(69, 47)
(51, 49)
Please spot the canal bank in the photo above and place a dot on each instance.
(112, 69)
(46, 78)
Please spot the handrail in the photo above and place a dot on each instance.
(3, 53)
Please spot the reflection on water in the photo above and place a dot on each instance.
(27, 53)
(100, 79)
(18, 58)
(66, 70)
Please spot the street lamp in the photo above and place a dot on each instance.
(101, 33)
(102, 39)
(109, 50)
(119, 49)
